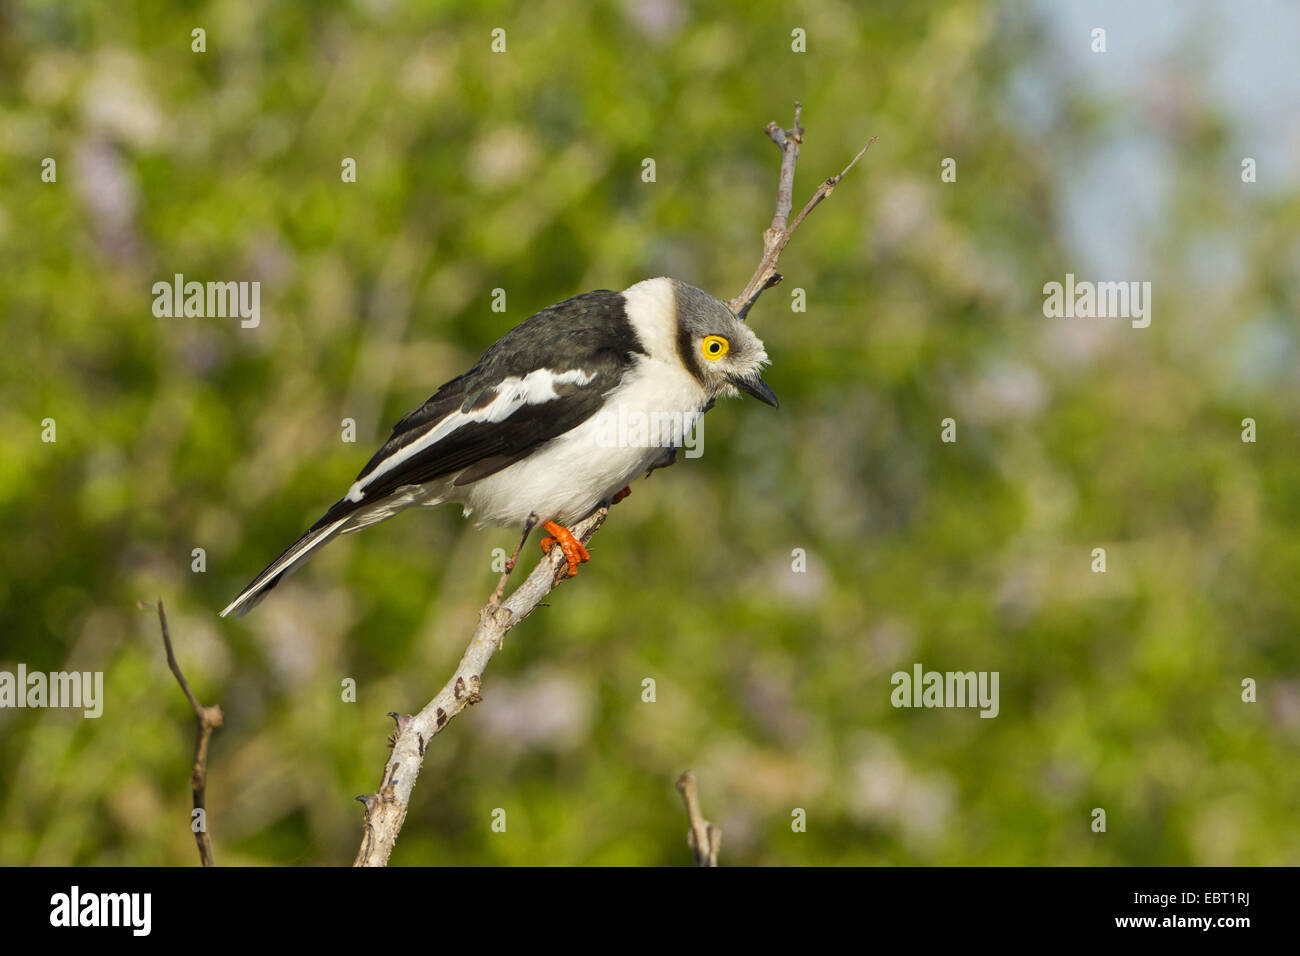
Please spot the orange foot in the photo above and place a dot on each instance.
(620, 495)
(574, 552)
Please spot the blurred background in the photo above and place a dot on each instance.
(522, 171)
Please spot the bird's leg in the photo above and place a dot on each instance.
(529, 525)
(619, 496)
(574, 552)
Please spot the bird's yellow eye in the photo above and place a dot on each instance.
(714, 347)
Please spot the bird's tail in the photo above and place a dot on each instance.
(297, 553)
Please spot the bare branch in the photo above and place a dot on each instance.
(778, 234)
(386, 809)
(207, 719)
(788, 141)
(704, 839)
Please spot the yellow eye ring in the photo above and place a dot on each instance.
(714, 347)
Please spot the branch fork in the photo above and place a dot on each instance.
(779, 232)
(207, 719)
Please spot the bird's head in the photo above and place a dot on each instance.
(721, 351)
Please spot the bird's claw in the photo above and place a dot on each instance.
(574, 552)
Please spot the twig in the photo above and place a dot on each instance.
(386, 809)
(207, 720)
(778, 234)
(704, 839)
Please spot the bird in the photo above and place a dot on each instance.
(528, 434)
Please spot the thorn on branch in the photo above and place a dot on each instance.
(402, 721)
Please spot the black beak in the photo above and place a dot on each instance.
(753, 384)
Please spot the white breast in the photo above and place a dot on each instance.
(570, 475)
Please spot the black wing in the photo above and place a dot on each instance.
(589, 333)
